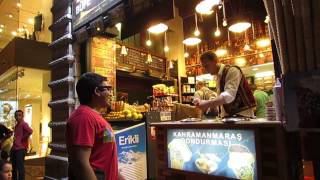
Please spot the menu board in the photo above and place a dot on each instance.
(227, 153)
(103, 58)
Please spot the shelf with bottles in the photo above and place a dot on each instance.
(188, 86)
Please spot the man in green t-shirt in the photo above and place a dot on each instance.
(261, 98)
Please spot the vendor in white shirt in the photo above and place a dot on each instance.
(234, 94)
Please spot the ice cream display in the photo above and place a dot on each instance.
(241, 161)
(207, 163)
(179, 153)
(227, 153)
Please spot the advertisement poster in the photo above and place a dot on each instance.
(86, 10)
(103, 58)
(132, 156)
(227, 153)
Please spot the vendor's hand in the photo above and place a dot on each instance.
(196, 101)
(204, 105)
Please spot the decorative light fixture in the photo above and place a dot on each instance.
(241, 62)
(192, 41)
(14, 33)
(149, 58)
(166, 47)
(224, 23)
(157, 29)
(196, 31)
(221, 52)
(217, 33)
(262, 43)
(148, 42)
(261, 55)
(239, 27)
(124, 51)
(205, 6)
(170, 64)
(247, 47)
(186, 54)
(31, 21)
(267, 20)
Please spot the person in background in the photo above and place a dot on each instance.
(91, 146)
(5, 170)
(234, 94)
(262, 99)
(22, 132)
(203, 92)
(5, 141)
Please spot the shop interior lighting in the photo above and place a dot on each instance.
(261, 55)
(148, 42)
(255, 69)
(14, 33)
(10, 15)
(1, 30)
(31, 21)
(263, 43)
(118, 26)
(186, 54)
(247, 47)
(170, 64)
(1, 26)
(157, 29)
(124, 51)
(204, 77)
(196, 31)
(205, 6)
(241, 62)
(192, 41)
(217, 33)
(239, 27)
(166, 47)
(224, 21)
(264, 74)
(19, 4)
(267, 20)
(221, 52)
(149, 58)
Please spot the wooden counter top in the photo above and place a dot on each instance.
(218, 124)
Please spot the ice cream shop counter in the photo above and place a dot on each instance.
(210, 149)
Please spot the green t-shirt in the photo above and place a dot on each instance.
(261, 99)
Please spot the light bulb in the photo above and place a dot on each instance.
(19, 4)
(246, 47)
(148, 42)
(224, 23)
(196, 32)
(166, 49)
(186, 54)
(217, 33)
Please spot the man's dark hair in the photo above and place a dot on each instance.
(86, 85)
(17, 111)
(208, 56)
